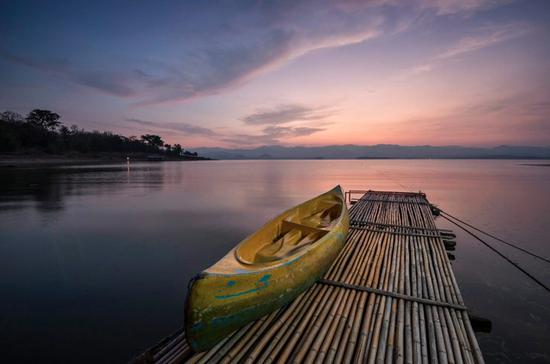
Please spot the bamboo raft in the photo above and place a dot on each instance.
(390, 296)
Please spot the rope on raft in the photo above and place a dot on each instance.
(450, 218)
(496, 237)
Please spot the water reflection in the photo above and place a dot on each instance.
(100, 256)
(49, 187)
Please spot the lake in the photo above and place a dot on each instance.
(95, 260)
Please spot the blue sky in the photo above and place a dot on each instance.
(248, 73)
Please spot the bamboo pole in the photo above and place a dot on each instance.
(336, 324)
(259, 327)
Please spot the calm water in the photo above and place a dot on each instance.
(94, 261)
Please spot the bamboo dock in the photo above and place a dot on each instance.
(390, 296)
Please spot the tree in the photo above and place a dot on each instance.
(42, 132)
(177, 149)
(153, 140)
(75, 130)
(44, 119)
(11, 117)
(64, 130)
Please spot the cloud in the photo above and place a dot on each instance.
(259, 39)
(175, 126)
(487, 37)
(214, 48)
(109, 81)
(447, 7)
(421, 68)
(283, 114)
(271, 135)
(274, 129)
(484, 37)
(279, 132)
(507, 119)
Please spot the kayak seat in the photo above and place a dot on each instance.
(298, 229)
(306, 228)
(330, 210)
(294, 237)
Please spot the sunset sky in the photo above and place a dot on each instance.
(250, 73)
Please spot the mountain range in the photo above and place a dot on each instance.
(379, 151)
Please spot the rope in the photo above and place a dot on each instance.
(499, 253)
(365, 222)
(392, 294)
(497, 238)
(392, 201)
(365, 228)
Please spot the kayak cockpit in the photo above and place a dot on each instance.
(299, 228)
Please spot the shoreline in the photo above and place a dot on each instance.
(536, 164)
(53, 161)
(56, 161)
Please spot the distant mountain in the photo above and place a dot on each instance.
(379, 151)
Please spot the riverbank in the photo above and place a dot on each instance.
(536, 164)
(26, 161)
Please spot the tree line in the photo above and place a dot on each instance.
(41, 131)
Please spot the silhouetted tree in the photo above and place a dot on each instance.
(11, 117)
(177, 149)
(44, 119)
(153, 140)
(43, 133)
(74, 129)
(64, 130)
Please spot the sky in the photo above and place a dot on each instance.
(240, 74)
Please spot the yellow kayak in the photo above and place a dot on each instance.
(266, 270)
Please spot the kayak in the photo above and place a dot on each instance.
(266, 270)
